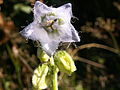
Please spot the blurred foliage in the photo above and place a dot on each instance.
(97, 56)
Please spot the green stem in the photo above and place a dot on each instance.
(54, 81)
(16, 65)
(114, 40)
(55, 71)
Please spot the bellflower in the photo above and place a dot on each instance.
(51, 26)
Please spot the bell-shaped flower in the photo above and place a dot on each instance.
(51, 26)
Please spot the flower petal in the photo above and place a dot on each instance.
(27, 31)
(35, 32)
(39, 10)
(67, 7)
(75, 36)
(68, 33)
(66, 12)
(65, 33)
(50, 47)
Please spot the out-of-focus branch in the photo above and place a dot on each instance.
(97, 46)
(89, 62)
(90, 46)
(25, 63)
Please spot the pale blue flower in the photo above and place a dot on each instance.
(51, 26)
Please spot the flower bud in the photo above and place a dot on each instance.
(39, 77)
(42, 55)
(64, 62)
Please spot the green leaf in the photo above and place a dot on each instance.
(22, 7)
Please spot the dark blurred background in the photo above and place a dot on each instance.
(97, 56)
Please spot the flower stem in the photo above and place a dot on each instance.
(55, 71)
(54, 82)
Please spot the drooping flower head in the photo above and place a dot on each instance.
(51, 26)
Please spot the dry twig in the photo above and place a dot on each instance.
(97, 46)
(89, 62)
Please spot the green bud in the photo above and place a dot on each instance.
(39, 77)
(42, 55)
(64, 62)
